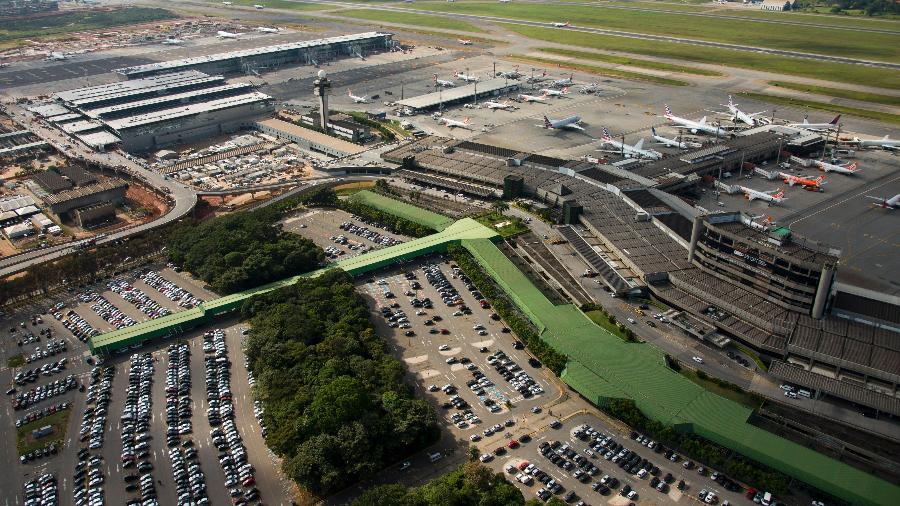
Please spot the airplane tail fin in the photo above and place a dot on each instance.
(668, 110)
(820, 179)
(565, 90)
(703, 120)
(547, 123)
(852, 167)
(779, 194)
(606, 135)
(835, 120)
(653, 131)
(640, 144)
(730, 101)
(466, 120)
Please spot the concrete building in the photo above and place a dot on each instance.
(253, 61)
(309, 139)
(112, 190)
(777, 5)
(459, 95)
(88, 216)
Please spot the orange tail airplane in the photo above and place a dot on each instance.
(806, 182)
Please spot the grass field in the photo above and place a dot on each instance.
(279, 4)
(600, 71)
(15, 360)
(884, 78)
(79, 21)
(60, 423)
(839, 93)
(632, 62)
(821, 106)
(809, 39)
(749, 400)
(490, 219)
(602, 320)
(351, 188)
(423, 20)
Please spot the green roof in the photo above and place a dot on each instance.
(602, 366)
(403, 210)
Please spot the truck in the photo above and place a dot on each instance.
(46, 430)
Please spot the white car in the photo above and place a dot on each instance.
(443, 347)
(698, 360)
(486, 457)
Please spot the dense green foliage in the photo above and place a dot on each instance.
(553, 359)
(80, 21)
(470, 484)
(393, 223)
(240, 251)
(337, 406)
(387, 135)
(700, 449)
(869, 7)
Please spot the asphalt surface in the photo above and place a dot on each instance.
(30, 73)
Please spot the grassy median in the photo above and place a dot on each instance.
(821, 106)
(839, 93)
(631, 62)
(25, 442)
(406, 18)
(601, 71)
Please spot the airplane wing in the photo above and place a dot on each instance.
(575, 126)
(890, 147)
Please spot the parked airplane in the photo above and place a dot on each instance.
(831, 167)
(533, 98)
(694, 126)
(817, 127)
(504, 1)
(739, 115)
(466, 77)
(464, 42)
(883, 143)
(891, 203)
(511, 74)
(589, 88)
(564, 82)
(259, 6)
(265, 29)
(226, 3)
(562, 25)
(173, 42)
(572, 122)
(673, 143)
(555, 93)
(442, 82)
(806, 182)
(627, 150)
(490, 104)
(227, 35)
(356, 99)
(56, 56)
(455, 123)
(773, 196)
(537, 79)
(4, 65)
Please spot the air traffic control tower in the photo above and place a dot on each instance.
(320, 88)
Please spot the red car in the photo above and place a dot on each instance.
(512, 444)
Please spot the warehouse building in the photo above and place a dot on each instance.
(112, 190)
(308, 52)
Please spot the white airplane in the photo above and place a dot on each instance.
(891, 203)
(739, 115)
(172, 42)
(442, 82)
(455, 123)
(227, 35)
(538, 79)
(464, 42)
(817, 127)
(572, 122)
(466, 77)
(883, 143)
(672, 143)
(842, 169)
(773, 196)
(259, 6)
(56, 56)
(504, 1)
(356, 99)
(266, 29)
(564, 82)
(555, 93)
(533, 98)
(490, 104)
(4, 65)
(562, 25)
(694, 126)
(635, 151)
(511, 74)
(226, 3)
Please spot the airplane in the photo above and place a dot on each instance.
(258, 6)
(504, 1)
(226, 3)
(4, 65)
(539, 79)
(265, 29)
(442, 82)
(490, 104)
(533, 98)
(56, 56)
(356, 99)
(555, 93)
(466, 77)
(883, 143)
(806, 182)
(636, 150)
(564, 82)
(571, 122)
(817, 127)
(773, 196)
(511, 74)
(589, 88)
(455, 123)
(464, 42)
(562, 25)
(672, 143)
(831, 167)
(694, 126)
(172, 42)
(891, 203)
(227, 35)
(739, 115)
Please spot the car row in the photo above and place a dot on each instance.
(48, 369)
(367, 233)
(30, 337)
(218, 378)
(52, 348)
(35, 395)
(445, 289)
(190, 482)
(178, 388)
(79, 327)
(172, 291)
(520, 380)
(110, 312)
(93, 421)
(138, 298)
(137, 411)
(51, 448)
(37, 414)
(41, 491)
(88, 480)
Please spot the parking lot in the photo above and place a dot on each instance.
(341, 234)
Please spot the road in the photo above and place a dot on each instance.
(619, 33)
(183, 198)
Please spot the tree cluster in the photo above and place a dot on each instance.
(393, 223)
(870, 7)
(553, 359)
(337, 406)
(239, 251)
(470, 484)
(700, 449)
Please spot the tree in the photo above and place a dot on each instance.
(499, 206)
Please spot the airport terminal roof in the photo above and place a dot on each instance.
(346, 147)
(245, 53)
(47, 110)
(436, 98)
(98, 140)
(796, 250)
(80, 126)
(177, 97)
(843, 389)
(185, 110)
(84, 97)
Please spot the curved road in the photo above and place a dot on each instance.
(616, 33)
(184, 197)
